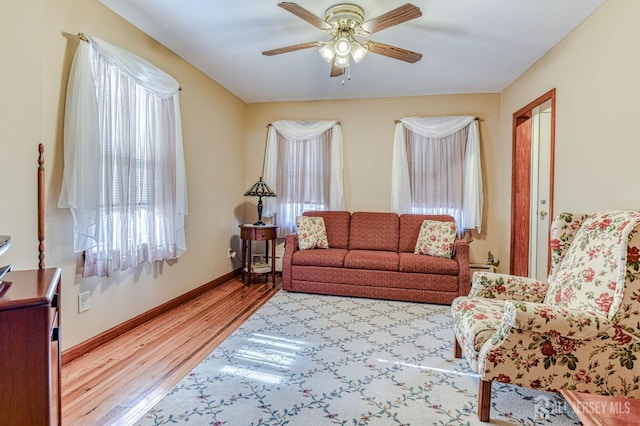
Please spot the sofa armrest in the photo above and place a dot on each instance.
(461, 255)
(290, 247)
(492, 285)
(543, 318)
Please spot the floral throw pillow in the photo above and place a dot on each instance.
(311, 233)
(436, 238)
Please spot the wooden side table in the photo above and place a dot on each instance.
(600, 410)
(266, 233)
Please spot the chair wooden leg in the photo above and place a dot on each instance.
(484, 401)
(457, 350)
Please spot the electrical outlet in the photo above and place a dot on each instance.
(230, 253)
(83, 302)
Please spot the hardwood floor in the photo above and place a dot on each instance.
(120, 381)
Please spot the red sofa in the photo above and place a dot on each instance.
(372, 255)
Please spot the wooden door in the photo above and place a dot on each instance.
(521, 199)
(522, 203)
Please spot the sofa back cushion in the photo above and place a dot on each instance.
(374, 231)
(337, 225)
(410, 228)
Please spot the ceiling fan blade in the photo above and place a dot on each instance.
(336, 71)
(393, 17)
(303, 13)
(292, 48)
(393, 52)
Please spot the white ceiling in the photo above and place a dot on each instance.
(468, 46)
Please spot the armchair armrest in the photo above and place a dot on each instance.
(543, 318)
(507, 287)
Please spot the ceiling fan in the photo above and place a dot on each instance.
(344, 22)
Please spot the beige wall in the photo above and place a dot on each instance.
(32, 110)
(595, 71)
(367, 130)
(21, 35)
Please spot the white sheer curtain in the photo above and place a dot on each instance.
(436, 169)
(124, 178)
(303, 166)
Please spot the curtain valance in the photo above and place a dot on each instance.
(437, 127)
(144, 73)
(300, 130)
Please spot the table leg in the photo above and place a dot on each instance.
(273, 263)
(266, 256)
(249, 264)
(244, 259)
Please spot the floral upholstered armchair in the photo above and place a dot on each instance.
(579, 330)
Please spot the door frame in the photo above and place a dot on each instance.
(525, 113)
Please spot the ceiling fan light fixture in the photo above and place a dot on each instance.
(341, 61)
(358, 51)
(328, 51)
(344, 22)
(343, 46)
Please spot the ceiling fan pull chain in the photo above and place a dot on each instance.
(348, 67)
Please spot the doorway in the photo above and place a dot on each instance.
(532, 187)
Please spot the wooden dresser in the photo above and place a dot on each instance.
(30, 348)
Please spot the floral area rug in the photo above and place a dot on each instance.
(307, 359)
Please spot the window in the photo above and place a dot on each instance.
(436, 169)
(303, 166)
(124, 178)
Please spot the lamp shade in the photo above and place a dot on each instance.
(341, 61)
(327, 51)
(343, 46)
(358, 51)
(260, 189)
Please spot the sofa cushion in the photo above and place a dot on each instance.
(374, 231)
(311, 233)
(337, 225)
(329, 257)
(410, 228)
(418, 263)
(436, 238)
(365, 278)
(371, 259)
